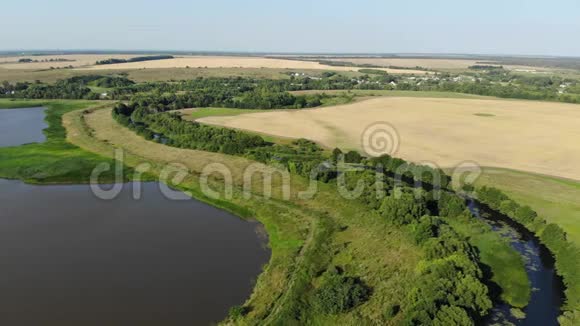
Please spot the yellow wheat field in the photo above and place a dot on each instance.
(430, 63)
(78, 60)
(537, 137)
(236, 62)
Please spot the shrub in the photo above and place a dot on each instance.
(339, 294)
(237, 312)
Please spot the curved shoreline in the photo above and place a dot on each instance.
(103, 144)
(299, 230)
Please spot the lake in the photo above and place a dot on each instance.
(69, 258)
(21, 126)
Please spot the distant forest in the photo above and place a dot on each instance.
(136, 59)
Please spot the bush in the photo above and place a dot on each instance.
(452, 316)
(352, 157)
(391, 311)
(451, 205)
(404, 209)
(340, 294)
(237, 312)
(525, 215)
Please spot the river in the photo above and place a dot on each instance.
(547, 287)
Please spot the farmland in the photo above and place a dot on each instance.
(42, 62)
(554, 198)
(236, 62)
(508, 134)
(431, 123)
(430, 63)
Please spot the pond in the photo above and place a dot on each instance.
(21, 126)
(69, 258)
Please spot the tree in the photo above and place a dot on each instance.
(339, 294)
(336, 154)
(352, 157)
(403, 209)
(473, 295)
(525, 214)
(452, 315)
(237, 312)
(424, 230)
(451, 205)
(508, 207)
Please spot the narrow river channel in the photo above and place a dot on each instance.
(547, 288)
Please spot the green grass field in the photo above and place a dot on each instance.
(54, 161)
(194, 114)
(555, 199)
(158, 74)
(16, 104)
(395, 93)
(57, 161)
(506, 264)
(306, 236)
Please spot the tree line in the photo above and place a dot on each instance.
(135, 59)
(265, 93)
(566, 253)
(450, 287)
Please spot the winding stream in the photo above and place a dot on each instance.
(547, 288)
(67, 257)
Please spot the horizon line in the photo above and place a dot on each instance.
(262, 53)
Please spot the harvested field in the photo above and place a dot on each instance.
(430, 63)
(538, 137)
(237, 62)
(77, 60)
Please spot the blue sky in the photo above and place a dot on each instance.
(371, 26)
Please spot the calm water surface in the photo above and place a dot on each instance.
(21, 126)
(68, 258)
(547, 288)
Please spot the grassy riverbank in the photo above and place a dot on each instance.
(306, 236)
(55, 160)
(16, 104)
(555, 199)
(505, 266)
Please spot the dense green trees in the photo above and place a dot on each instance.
(71, 88)
(450, 286)
(61, 90)
(450, 281)
(136, 59)
(217, 92)
(403, 209)
(172, 130)
(266, 94)
(553, 236)
(339, 293)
